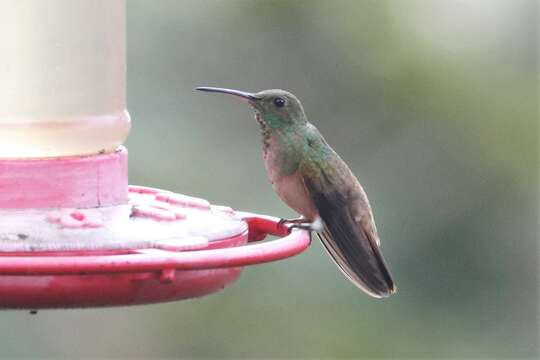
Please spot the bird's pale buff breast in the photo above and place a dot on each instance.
(289, 187)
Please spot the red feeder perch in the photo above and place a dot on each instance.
(72, 232)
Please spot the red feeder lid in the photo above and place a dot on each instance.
(140, 246)
(141, 276)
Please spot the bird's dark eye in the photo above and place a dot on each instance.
(279, 102)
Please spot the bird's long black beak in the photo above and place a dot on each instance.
(243, 94)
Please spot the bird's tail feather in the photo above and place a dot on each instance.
(371, 276)
(354, 249)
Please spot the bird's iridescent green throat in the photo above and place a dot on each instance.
(283, 123)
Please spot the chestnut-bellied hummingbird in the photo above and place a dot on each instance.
(311, 178)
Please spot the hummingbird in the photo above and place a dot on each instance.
(312, 179)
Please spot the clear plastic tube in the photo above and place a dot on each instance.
(62, 77)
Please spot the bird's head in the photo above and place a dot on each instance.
(275, 109)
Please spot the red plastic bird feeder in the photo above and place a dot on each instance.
(72, 232)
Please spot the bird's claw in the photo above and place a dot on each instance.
(302, 223)
(282, 222)
(304, 226)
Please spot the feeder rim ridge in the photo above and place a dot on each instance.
(291, 243)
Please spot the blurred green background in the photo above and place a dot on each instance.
(434, 105)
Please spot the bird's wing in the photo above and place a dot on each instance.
(349, 234)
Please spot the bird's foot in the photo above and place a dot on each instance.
(283, 221)
(303, 224)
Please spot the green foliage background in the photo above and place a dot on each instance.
(434, 104)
